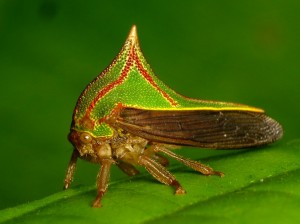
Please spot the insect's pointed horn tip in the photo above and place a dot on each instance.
(133, 34)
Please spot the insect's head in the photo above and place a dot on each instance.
(89, 146)
(82, 141)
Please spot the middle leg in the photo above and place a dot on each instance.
(127, 168)
(160, 173)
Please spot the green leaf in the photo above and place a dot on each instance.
(260, 185)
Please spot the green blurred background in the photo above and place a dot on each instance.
(239, 51)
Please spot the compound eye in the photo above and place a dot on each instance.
(85, 138)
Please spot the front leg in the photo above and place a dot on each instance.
(71, 169)
(102, 180)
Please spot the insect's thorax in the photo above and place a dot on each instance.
(121, 147)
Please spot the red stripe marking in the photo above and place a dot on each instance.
(132, 57)
(151, 81)
(110, 86)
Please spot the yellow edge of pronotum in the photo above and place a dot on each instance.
(250, 109)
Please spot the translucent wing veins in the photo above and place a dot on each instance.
(202, 128)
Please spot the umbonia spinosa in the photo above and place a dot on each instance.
(128, 117)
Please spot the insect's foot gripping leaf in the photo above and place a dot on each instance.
(218, 173)
(178, 188)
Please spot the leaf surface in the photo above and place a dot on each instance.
(260, 185)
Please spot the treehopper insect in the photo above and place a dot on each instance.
(128, 117)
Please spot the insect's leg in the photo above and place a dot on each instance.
(161, 159)
(71, 169)
(206, 170)
(102, 180)
(127, 168)
(150, 151)
(160, 173)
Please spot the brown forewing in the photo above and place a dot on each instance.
(202, 128)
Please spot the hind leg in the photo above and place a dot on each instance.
(206, 170)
